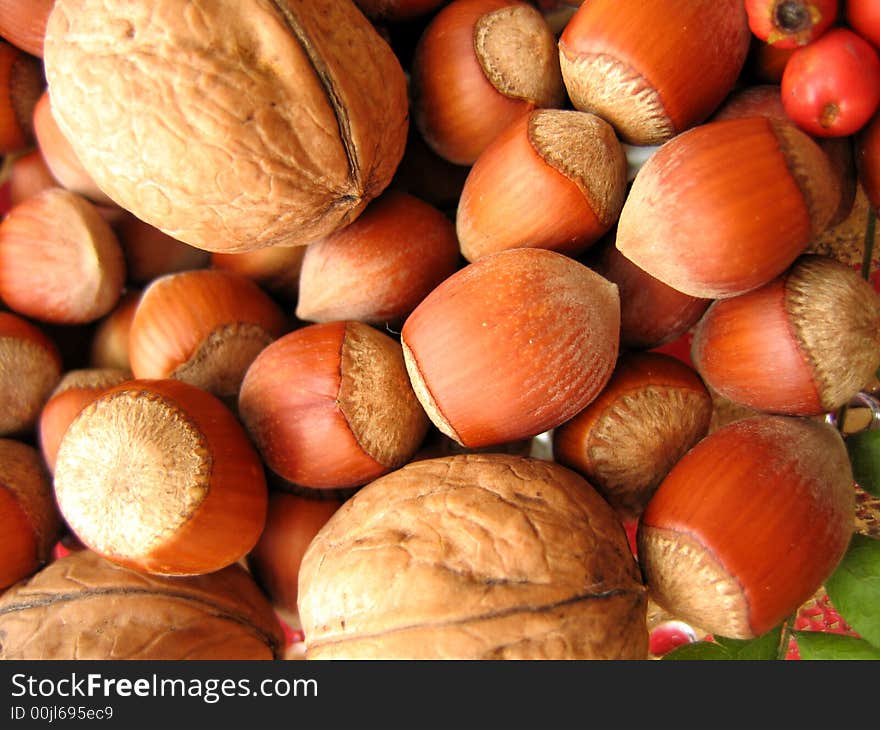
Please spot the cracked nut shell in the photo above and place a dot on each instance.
(473, 557)
(83, 607)
(232, 124)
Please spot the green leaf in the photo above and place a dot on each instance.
(762, 648)
(815, 645)
(698, 650)
(864, 454)
(854, 588)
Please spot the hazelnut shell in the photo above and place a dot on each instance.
(749, 524)
(76, 390)
(160, 476)
(30, 524)
(624, 443)
(653, 68)
(553, 179)
(803, 344)
(291, 524)
(330, 406)
(478, 66)
(651, 313)
(60, 261)
(203, 327)
(512, 345)
(378, 269)
(23, 23)
(726, 206)
(30, 368)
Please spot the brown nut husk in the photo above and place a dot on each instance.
(478, 556)
(83, 607)
(229, 124)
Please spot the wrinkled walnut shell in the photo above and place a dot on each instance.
(83, 607)
(229, 125)
(473, 557)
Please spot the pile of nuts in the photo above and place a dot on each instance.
(295, 288)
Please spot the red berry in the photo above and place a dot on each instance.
(670, 635)
(831, 88)
(790, 23)
(863, 16)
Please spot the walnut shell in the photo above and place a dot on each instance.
(478, 556)
(229, 124)
(83, 607)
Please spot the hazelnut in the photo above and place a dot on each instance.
(229, 126)
(83, 607)
(29, 521)
(330, 405)
(76, 390)
(159, 475)
(291, 524)
(28, 175)
(653, 68)
(512, 345)
(60, 157)
(473, 557)
(749, 524)
(23, 23)
(30, 368)
(651, 313)
(726, 206)
(275, 269)
(109, 346)
(553, 179)
(21, 83)
(478, 66)
(203, 327)
(624, 443)
(803, 344)
(766, 100)
(60, 261)
(379, 268)
(150, 253)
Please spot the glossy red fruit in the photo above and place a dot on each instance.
(790, 23)
(831, 88)
(670, 635)
(863, 16)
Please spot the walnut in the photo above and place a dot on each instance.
(479, 556)
(83, 607)
(229, 124)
